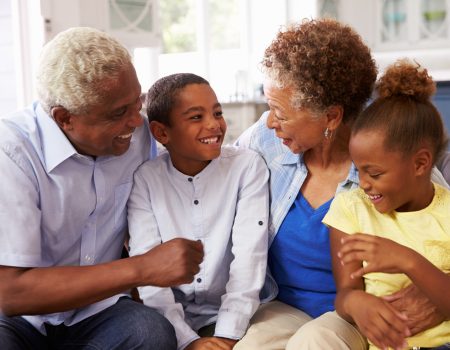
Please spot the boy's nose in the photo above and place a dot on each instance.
(212, 123)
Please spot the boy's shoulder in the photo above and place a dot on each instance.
(230, 151)
(155, 164)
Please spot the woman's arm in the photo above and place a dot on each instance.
(376, 319)
(384, 255)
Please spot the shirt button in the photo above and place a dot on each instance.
(199, 280)
(196, 202)
(260, 223)
(190, 179)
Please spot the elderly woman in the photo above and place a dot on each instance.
(319, 75)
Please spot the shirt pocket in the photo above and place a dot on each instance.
(438, 252)
(121, 194)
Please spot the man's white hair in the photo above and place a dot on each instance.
(75, 66)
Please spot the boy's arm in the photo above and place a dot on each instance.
(377, 320)
(249, 248)
(384, 255)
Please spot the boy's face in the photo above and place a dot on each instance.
(387, 177)
(197, 129)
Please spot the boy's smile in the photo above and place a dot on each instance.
(197, 129)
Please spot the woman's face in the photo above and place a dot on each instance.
(299, 128)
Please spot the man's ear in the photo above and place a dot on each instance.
(159, 132)
(62, 117)
(335, 115)
(423, 161)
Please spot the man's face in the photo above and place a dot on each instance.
(107, 128)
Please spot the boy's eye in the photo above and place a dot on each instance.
(375, 176)
(196, 117)
(218, 114)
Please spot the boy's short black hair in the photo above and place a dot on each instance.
(162, 95)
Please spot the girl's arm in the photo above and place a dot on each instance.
(384, 255)
(376, 319)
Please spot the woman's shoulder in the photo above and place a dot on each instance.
(262, 140)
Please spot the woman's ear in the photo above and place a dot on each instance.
(159, 132)
(423, 161)
(335, 115)
(62, 117)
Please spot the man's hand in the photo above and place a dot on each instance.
(421, 313)
(212, 343)
(171, 263)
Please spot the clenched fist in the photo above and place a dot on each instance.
(171, 263)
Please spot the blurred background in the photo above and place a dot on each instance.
(221, 40)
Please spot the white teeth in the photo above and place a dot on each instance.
(374, 197)
(210, 140)
(125, 136)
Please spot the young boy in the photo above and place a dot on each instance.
(203, 191)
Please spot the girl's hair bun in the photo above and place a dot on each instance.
(406, 78)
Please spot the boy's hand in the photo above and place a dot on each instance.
(380, 254)
(378, 321)
(211, 343)
(171, 263)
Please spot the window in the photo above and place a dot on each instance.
(222, 41)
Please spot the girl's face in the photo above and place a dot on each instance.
(299, 129)
(197, 129)
(387, 177)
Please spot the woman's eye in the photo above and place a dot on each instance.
(374, 176)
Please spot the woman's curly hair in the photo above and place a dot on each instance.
(403, 110)
(325, 62)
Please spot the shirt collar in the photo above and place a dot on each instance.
(183, 177)
(288, 158)
(352, 177)
(55, 145)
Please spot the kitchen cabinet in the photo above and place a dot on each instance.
(394, 24)
(134, 22)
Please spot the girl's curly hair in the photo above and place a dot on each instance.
(325, 62)
(404, 112)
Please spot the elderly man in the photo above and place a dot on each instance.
(67, 166)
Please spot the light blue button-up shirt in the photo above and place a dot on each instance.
(226, 206)
(61, 208)
(287, 175)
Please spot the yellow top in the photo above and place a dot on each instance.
(427, 231)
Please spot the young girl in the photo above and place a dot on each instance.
(395, 229)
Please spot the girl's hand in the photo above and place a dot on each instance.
(382, 324)
(380, 254)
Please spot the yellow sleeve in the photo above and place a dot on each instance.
(340, 215)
